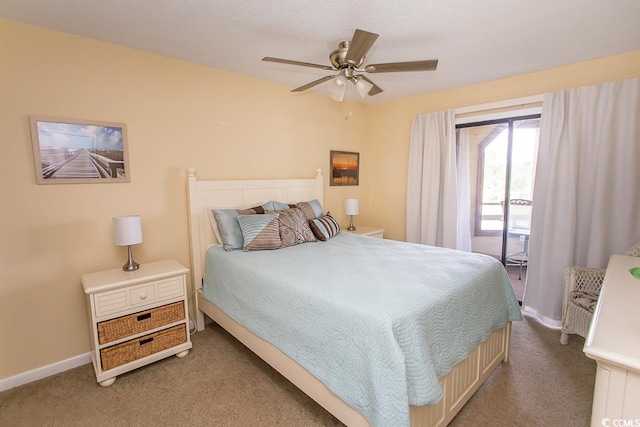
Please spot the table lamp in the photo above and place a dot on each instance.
(351, 207)
(128, 231)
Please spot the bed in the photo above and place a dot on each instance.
(387, 365)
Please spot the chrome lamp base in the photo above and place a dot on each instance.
(130, 265)
(351, 227)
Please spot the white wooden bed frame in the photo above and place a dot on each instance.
(458, 385)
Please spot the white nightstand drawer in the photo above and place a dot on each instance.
(136, 296)
(170, 288)
(110, 302)
(142, 294)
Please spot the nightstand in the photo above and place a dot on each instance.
(136, 317)
(368, 231)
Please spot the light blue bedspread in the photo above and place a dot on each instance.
(377, 321)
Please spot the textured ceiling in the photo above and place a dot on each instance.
(474, 40)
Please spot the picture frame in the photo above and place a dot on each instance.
(69, 151)
(345, 168)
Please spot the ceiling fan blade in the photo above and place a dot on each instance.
(375, 89)
(394, 67)
(312, 84)
(359, 46)
(303, 64)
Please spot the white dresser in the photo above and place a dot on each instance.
(614, 343)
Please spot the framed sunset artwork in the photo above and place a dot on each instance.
(345, 168)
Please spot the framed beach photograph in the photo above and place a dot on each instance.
(345, 168)
(68, 151)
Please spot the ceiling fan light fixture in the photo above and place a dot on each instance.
(363, 87)
(338, 88)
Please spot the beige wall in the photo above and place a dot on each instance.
(179, 114)
(389, 125)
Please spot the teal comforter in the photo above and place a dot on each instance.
(377, 321)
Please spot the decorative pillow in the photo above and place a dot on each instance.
(312, 209)
(584, 300)
(325, 227)
(214, 225)
(294, 227)
(226, 228)
(260, 232)
(275, 206)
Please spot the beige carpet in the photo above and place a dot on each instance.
(221, 383)
(517, 284)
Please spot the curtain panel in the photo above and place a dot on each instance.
(431, 186)
(464, 190)
(586, 201)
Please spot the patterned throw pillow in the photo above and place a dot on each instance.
(294, 227)
(260, 232)
(325, 227)
(584, 300)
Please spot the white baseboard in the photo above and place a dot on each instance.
(45, 371)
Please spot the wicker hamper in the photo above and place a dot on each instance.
(140, 347)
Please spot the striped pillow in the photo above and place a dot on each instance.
(312, 209)
(325, 227)
(260, 232)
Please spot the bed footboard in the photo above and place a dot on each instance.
(458, 385)
(463, 380)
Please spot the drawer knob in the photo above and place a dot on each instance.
(143, 295)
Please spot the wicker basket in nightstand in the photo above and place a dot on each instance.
(126, 326)
(144, 346)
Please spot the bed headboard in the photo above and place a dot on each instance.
(237, 194)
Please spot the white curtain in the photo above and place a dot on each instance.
(464, 196)
(431, 185)
(586, 201)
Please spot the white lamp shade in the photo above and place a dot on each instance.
(363, 87)
(351, 206)
(127, 230)
(338, 88)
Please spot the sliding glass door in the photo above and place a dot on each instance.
(501, 172)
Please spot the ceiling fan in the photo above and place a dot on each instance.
(348, 60)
